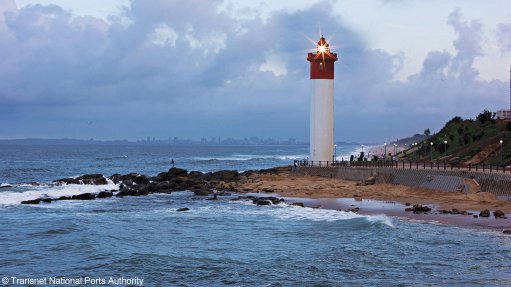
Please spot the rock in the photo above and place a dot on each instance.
(298, 204)
(417, 208)
(95, 179)
(475, 216)
(195, 174)
(408, 204)
(224, 175)
(90, 176)
(84, 196)
(268, 190)
(507, 231)
(131, 178)
(116, 178)
(499, 214)
(33, 201)
(104, 194)
(183, 209)
(65, 198)
(127, 191)
(455, 211)
(273, 200)
(67, 181)
(262, 202)
(203, 191)
(484, 213)
(370, 180)
(46, 200)
(171, 174)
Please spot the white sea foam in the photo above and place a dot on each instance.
(285, 211)
(13, 198)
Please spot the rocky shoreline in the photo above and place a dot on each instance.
(217, 183)
(211, 185)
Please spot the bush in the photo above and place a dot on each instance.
(485, 116)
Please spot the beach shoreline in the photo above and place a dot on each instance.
(453, 208)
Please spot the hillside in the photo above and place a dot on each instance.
(469, 141)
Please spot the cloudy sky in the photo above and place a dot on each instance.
(130, 69)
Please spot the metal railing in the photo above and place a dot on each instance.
(431, 165)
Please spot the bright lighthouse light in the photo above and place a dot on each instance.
(322, 49)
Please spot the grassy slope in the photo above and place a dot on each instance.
(465, 139)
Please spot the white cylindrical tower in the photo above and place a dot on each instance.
(322, 103)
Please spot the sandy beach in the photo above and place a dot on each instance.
(336, 194)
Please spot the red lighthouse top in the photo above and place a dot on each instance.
(322, 62)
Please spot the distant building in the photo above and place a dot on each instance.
(504, 114)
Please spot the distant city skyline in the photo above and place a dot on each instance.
(127, 69)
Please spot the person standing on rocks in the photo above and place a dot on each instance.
(172, 162)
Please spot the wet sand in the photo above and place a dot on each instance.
(384, 198)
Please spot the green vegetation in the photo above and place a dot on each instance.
(467, 141)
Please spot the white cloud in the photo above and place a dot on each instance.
(210, 42)
(275, 64)
(163, 35)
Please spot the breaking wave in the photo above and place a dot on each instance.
(14, 197)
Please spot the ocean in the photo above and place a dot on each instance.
(144, 241)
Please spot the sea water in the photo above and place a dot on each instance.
(215, 243)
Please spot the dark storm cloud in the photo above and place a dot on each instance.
(182, 68)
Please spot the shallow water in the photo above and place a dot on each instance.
(225, 243)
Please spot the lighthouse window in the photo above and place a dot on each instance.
(321, 66)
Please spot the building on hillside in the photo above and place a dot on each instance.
(504, 115)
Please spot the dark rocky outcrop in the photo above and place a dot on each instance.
(95, 179)
(418, 208)
(484, 213)
(183, 209)
(33, 201)
(46, 200)
(67, 181)
(260, 202)
(499, 214)
(104, 194)
(507, 231)
(171, 174)
(84, 196)
(271, 199)
(298, 204)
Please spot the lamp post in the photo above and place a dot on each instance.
(335, 153)
(501, 142)
(445, 148)
(395, 149)
(362, 154)
(385, 150)
(431, 151)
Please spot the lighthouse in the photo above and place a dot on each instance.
(322, 103)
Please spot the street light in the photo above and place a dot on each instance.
(445, 148)
(362, 154)
(431, 151)
(385, 152)
(335, 153)
(395, 149)
(416, 151)
(501, 141)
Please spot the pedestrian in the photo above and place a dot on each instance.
(172, 162)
